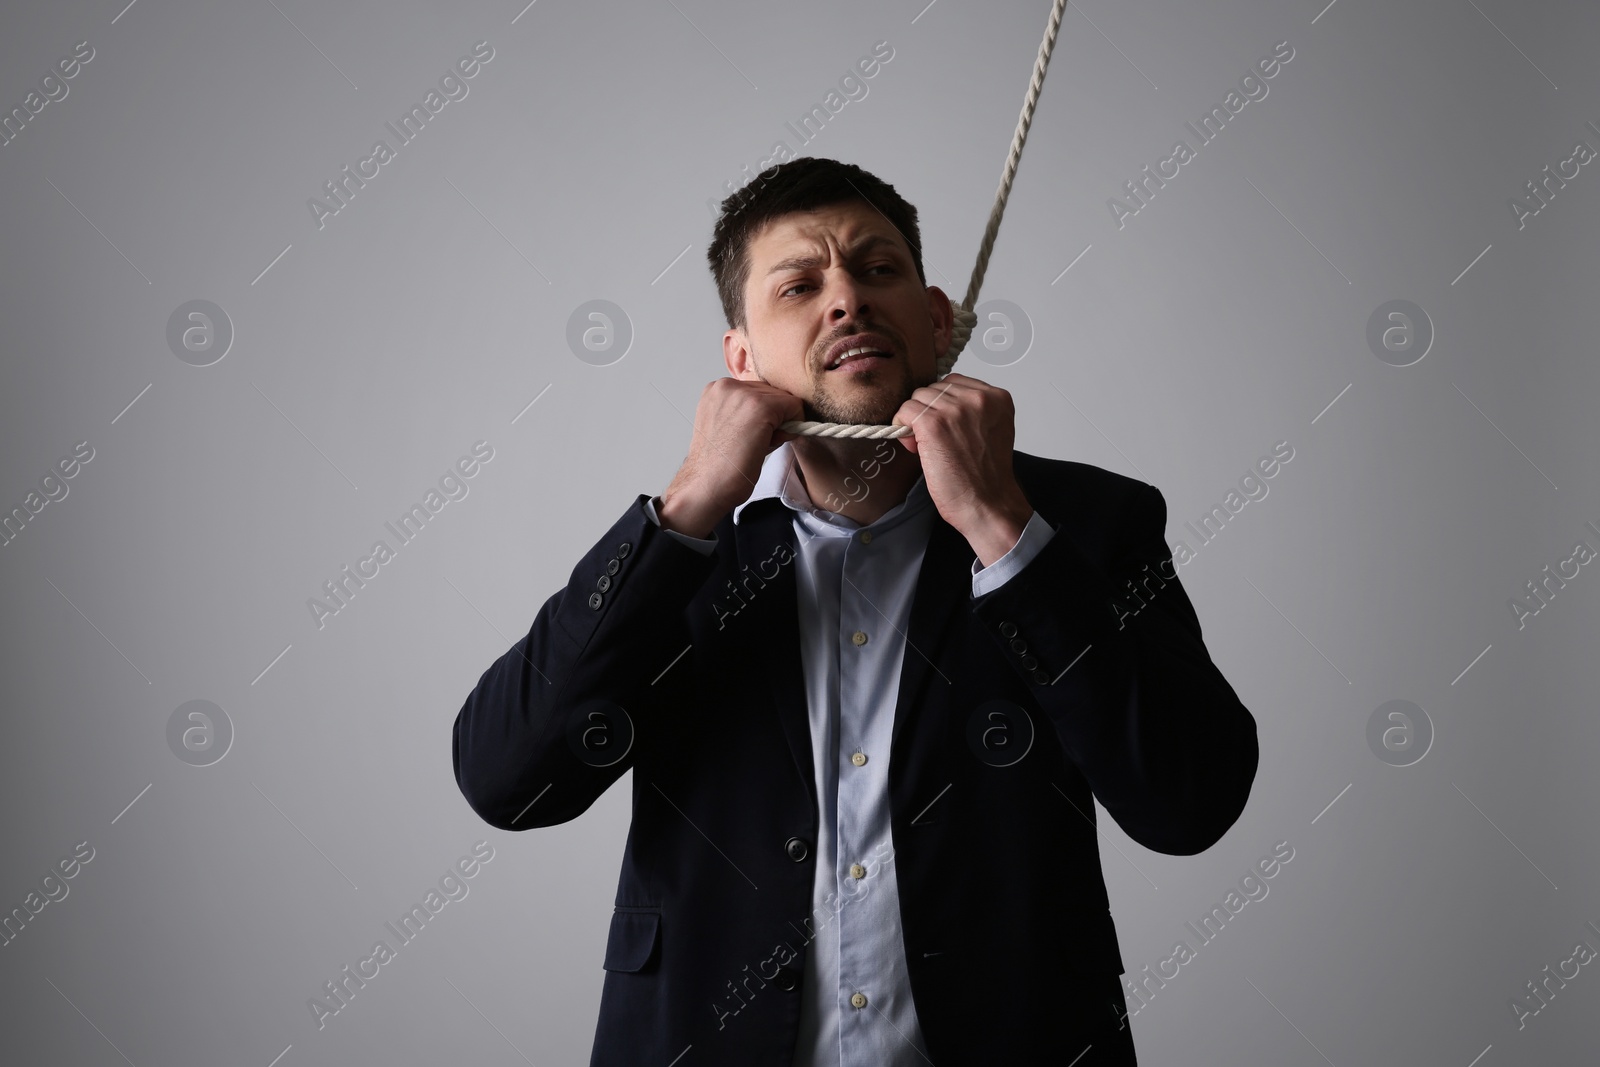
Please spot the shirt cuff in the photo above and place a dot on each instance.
(703, 545)
(1035, 535)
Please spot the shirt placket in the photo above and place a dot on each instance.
(861, 629)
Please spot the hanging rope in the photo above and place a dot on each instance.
(966, 320)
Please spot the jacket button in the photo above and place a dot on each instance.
(1009, 629)
(796, 848)
(787, 979)
(1029, 663)
(1041, 677)
(612, 566)
(604, 583)
(595, 600)
(1018, 645)
(623, 550)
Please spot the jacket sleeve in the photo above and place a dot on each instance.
(550, 725)
(1115, 659)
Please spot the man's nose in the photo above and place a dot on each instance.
(847, 298)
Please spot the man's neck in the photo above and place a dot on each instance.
(851, 477)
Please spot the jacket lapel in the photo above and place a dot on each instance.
(775, 625)
(944, 595)
(944, 587)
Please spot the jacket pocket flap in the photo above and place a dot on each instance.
(632, 939)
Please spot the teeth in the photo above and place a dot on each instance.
(854, 352)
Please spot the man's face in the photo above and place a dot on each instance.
(818, 278)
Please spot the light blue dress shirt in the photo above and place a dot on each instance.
(855, 585)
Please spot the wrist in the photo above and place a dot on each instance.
(998, 529)
(682, 513)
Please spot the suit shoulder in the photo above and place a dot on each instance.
(1090, 504)
(1074, 481)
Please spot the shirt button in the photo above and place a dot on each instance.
(866, 537)
(858, 758)
(859, 638)
(857, 871)
(858, 1000)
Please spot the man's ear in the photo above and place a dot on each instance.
(736, 353)
(944, 320)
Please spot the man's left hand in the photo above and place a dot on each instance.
(963, 432)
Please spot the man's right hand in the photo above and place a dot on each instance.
(736, 425)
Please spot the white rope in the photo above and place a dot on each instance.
(966, 320)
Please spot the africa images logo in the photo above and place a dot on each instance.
(342, 588)
(453, 84)
(338, 991)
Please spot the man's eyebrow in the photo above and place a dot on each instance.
(860, 248)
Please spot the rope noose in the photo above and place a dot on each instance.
(966, 319)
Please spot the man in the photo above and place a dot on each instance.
(869, 689)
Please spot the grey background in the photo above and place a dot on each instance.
(428, 313)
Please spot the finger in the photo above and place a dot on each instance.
(945, 392)
(924, 418)
(909, 409)
(963, 379)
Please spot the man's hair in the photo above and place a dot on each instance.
(803, 184)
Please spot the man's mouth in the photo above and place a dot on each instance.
(853, 359)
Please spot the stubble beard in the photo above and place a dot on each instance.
(863, 398)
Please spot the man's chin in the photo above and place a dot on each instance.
(875, 409)
(876, 416)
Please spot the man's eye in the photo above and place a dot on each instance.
(876, 266)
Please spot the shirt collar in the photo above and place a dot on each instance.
(780, 478)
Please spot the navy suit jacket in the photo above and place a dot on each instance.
(1016, 710)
